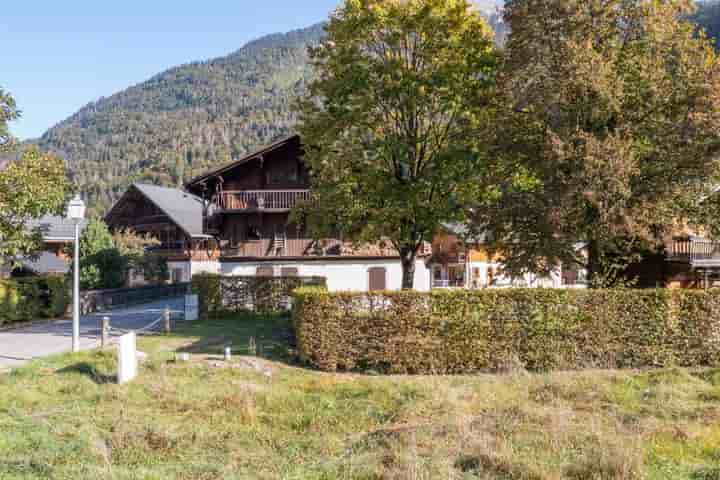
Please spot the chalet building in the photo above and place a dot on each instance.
(175, 219)
(248, 204)
(58, 233)
(462, 260)
(693, 261)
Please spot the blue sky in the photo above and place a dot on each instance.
(58, 55)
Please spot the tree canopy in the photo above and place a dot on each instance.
(610, 128)
(402, 87)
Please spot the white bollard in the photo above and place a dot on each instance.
(127, 358)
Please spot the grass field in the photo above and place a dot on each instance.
(264, 417)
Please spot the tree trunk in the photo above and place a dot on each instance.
(593, 262)
(407, 258)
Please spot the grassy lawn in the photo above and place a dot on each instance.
(263, 417)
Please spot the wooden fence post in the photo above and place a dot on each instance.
(105, 332)
(166, 315)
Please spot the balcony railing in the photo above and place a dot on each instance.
(455, 283)
(271, 200)
(694, 250)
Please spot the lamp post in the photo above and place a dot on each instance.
(76, 213)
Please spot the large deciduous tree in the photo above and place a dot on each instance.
(611, 126)
(403, 87)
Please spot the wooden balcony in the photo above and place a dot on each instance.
(698, 252)
(260, 200)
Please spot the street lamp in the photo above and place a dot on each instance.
(76, 213)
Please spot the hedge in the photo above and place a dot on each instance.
(220, 295)
(495, 330)
(33, 298)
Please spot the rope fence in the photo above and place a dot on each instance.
(161, 326)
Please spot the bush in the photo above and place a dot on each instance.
(32, 298)
(492, 330)
(220, 295)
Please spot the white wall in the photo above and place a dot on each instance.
(194, 267)
(204, 266)
(341, 275)
(185, 266)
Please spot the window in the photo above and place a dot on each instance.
(265, 272)
(289, 272)
(377, 279)
(177, 275)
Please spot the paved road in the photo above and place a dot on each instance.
(42, 339)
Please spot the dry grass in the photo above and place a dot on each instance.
(266, 418)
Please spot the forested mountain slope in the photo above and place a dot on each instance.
(190, 118)
(185, 120)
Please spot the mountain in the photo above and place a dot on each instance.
(186, 119)
(191, 118)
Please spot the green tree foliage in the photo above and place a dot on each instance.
(609, 128)
(134, 248)
(101, 263)
(401, 88)
(106, 259)
(32, 186)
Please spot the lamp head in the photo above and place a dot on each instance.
(76, 209)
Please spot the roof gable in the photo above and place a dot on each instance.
(198, 181)
(54, 228)
(184, 209)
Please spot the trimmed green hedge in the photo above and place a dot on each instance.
(496, 330)
(221, 295)
(33, 298)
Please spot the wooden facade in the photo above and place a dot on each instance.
(249, 204)
(137, 212)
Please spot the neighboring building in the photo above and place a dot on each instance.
(57, 233)
(693, 261)
(462, 260)
(248, 204)
(175, 219)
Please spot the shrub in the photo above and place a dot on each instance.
(32, 298)
(220, 295)
(470, 331)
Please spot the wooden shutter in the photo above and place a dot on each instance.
(289, 272)
(377, 279)
(265, 271)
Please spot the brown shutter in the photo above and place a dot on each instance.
(265, 271)
(377, 279)
(289, 272)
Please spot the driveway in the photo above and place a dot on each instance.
(42, 339)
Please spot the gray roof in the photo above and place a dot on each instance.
(54, 228)
(185, 209)
(46, 262)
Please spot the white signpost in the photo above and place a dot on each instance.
(192, 308)
(127, 358)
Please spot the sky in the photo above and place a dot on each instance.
(58, 55)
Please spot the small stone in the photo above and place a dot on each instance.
(141, 356)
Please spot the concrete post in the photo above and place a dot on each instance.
(166, 316)
(105, 332)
